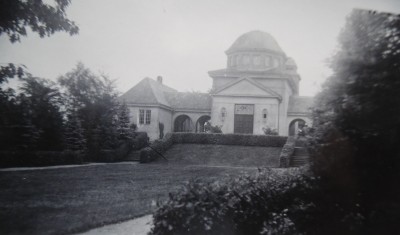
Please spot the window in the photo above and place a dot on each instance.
(144, 119)
(267, 61)
(257, 60)
(141, 116)
(223, 114)
(148, 116)
(246, 60)
(264, 115)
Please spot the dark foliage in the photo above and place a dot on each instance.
(44, 19)
(95, 101)
(268, 203)
(357, 127)
(229, 139)
(17, 16)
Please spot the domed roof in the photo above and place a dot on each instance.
(255, 40)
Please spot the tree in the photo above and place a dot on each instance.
(95, 100)
(43, 102)
(17, 16)
(356, 121)
(124, 129)
(74, 136)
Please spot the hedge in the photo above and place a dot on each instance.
(20, 158)
(287, 152)
(161, 146)
(148, 155)
(268, 203)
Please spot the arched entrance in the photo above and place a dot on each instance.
(183, 123)
(200, 123)
(296, 126)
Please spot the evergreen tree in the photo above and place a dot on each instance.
(74, 136)
(123, 121)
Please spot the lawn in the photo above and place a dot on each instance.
(68, 200)
(223, 155)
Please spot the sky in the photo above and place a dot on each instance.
(181, 40)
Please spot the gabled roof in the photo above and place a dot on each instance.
(147, 91)
(300, 104)
(257, 84)
(189, 100)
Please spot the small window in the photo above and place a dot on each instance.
(148, 116)
(257, 60)
(264, 114)
(267, 61)
(223, 114)
(141, 116)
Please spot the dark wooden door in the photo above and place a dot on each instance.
(244, 117)
(243, 124)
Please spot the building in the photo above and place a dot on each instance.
(258, 88)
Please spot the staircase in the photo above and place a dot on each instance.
(300, 156)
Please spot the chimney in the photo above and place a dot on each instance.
(159, 79)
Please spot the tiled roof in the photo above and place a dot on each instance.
(149, 91)
(189, 100)
(300, 104)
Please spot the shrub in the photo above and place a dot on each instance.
(287, 152)
(151, 153)
(270, 131)
(140, 140)
(229, 139)
(267, 203)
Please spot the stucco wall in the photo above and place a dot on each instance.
(165, 116)
(271, 104)
(152, 128)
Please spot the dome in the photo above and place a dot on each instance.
(255, 41)
(291, 64)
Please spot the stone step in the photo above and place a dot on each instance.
(296, 161)
(301, 142)
(300, 151)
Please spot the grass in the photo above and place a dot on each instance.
(69, 200)
(60, 201)
(223, 155)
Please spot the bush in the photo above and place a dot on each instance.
(39, 158)
(151, 153)
(267, 203)
(270, 131)
(140, 140)
(229, 139)
(287, 152)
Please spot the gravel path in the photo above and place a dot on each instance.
(138, 226)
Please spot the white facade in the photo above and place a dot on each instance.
(258, 89)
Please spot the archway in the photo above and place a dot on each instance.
(296, 126)
(200, 123)
(183, 123)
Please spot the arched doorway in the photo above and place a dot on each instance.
(183, 123)
(200, 123)
(295, 126)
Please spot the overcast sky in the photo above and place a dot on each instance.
(182, 40)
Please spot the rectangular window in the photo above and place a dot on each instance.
(148, 116)
(141, 116)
